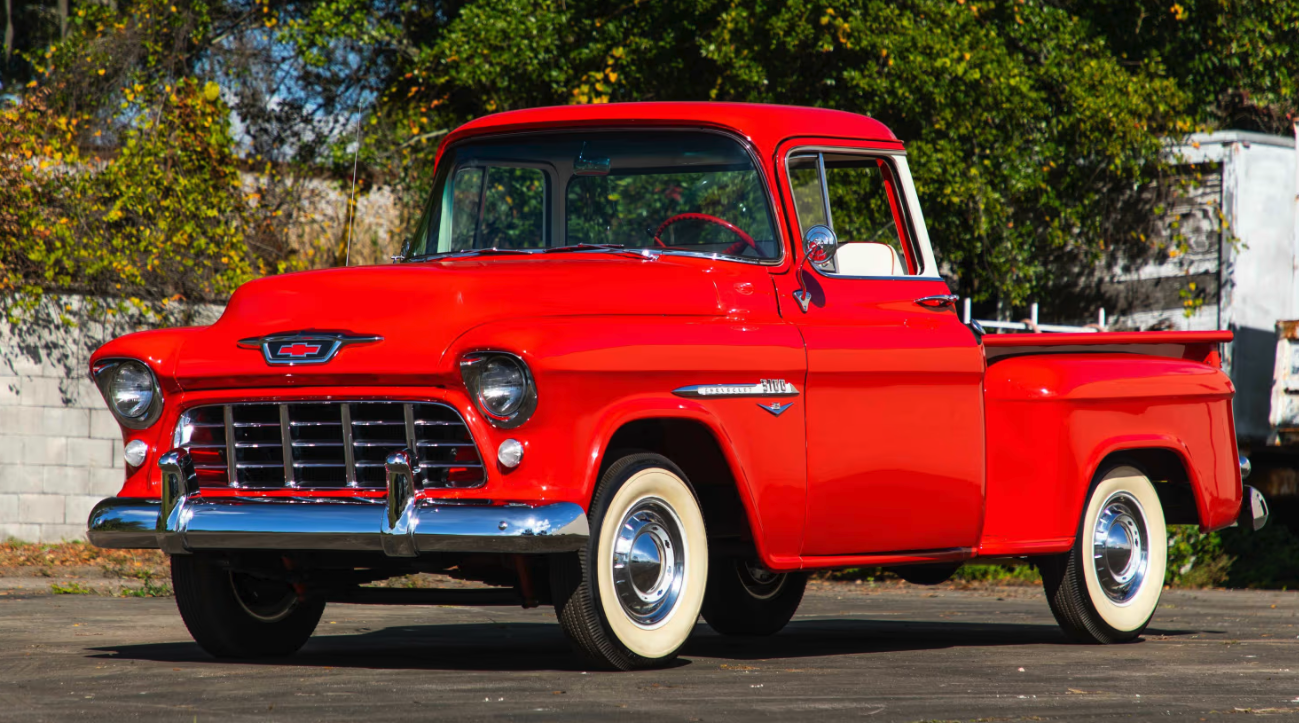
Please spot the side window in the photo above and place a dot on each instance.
(496, 207)
(857, 197)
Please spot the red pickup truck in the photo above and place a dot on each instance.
(642, 362)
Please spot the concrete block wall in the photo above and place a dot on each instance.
(60, 453)
(60, 448)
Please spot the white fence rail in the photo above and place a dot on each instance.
(1031, 324)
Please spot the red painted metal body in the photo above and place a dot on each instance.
(912, 440)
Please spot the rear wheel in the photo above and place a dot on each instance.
(631, 598)
(1106, 589)
(745, 598)
(236, 615)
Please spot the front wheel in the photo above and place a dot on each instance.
(630, 599)
(1106, 589)
(238, 615)
(745, 598)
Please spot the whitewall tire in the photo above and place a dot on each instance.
(1106, 589)
(632, 597)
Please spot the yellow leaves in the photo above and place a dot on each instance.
(211, 90)
(102, 71)
(1178, 11)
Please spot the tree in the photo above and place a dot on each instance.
(1238, 60)
(1036, 127)
(1035, 149)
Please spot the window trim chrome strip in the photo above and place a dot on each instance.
(923, 247)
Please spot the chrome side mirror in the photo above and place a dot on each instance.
(820, 244)
(819, 247)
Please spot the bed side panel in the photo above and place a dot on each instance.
(1053, 419)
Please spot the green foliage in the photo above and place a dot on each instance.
(1035, 127)
(1015, 574)
(154, 585)
(1237, 59)
(1196, 559)
(70, 588)
(161, 219)
(1268, 558)
(1033, 146)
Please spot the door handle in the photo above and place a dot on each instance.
(938, 302)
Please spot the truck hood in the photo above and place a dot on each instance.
(420, 309)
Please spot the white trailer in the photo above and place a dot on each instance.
(1241, 229)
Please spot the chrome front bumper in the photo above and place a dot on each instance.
(398, 526)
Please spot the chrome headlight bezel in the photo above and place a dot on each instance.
(105, 371)
(472, 366)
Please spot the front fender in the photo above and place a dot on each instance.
(596, 374)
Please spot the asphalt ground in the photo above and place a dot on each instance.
(853, 651)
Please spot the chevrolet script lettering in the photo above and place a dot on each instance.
(764, 388)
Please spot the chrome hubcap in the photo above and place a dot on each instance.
(264, 600)
(1121, 547)
(760, 582)
(649, 562)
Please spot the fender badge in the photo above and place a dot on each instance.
(776, 408)
(765, 388)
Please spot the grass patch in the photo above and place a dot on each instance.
(1024, 574)
(154, 584)
(70, 588)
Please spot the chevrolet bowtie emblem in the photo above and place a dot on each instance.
(776, 408)
(303, 347)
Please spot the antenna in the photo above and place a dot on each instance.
(351, 200)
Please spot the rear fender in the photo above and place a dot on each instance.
(1053, 420)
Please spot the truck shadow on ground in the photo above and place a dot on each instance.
(541, 646)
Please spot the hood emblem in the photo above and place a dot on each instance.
(776, 408)
(303, 347)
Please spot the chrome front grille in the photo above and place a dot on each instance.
(326, 445)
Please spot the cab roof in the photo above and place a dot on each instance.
(766, 126)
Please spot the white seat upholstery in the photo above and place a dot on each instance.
(866, 258)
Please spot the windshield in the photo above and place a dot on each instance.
(666, 190)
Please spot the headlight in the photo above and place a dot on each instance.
(131, 392)
(502, 387)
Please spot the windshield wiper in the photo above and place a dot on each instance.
(478, 252)
(639, 253)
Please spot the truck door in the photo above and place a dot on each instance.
(895, 430)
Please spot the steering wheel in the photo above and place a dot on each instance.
(733, 250)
